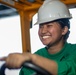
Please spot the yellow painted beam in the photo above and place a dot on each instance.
(26, 18)
(25, 26)
(24, 5)
(69, 2)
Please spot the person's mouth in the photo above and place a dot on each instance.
(45, 37)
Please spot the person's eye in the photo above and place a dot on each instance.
(40, 26)
(49, 25)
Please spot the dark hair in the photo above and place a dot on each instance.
(63, 23)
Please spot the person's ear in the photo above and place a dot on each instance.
(65, 30)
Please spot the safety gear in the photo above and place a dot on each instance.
(52, 10)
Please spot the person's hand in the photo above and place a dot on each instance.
(15, 60)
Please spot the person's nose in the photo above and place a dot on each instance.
(44, 29)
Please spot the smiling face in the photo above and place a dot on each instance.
(51, 33)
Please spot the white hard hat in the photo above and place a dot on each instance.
(52, 10)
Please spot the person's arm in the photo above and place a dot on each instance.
(45, 63)
(15, 60)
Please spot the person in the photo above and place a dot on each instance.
(58, 56)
